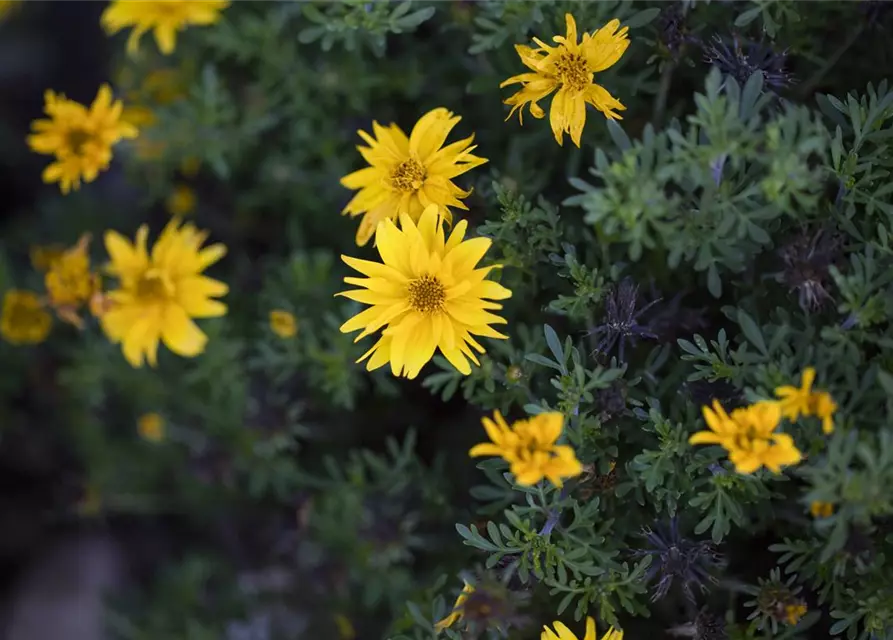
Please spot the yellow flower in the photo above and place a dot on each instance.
(283, 323)
(749, 436)
(569, 67)
(164, 17)
(802, 400)
(824, 407)
(43, 256)
(81, 138)
(70, 283)
(563, 633)
(406, 175)
(24, 320)
(820, 509)
(181, 201)
(457, 612)
(426, 294)
(529, 448)
(151, 427)
(160, 293)
(793, 612)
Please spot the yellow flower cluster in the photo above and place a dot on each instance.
(529, 446)
(749, 433)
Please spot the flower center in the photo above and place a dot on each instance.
(426, 294)
(409, 176)
(76, 140)
(154, 286)
(573, 71)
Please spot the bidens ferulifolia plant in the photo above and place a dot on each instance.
(448, 377)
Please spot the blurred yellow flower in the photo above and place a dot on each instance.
(406, 175)
(820, 509)
(160, 293)
(529, 448)
(283, 323)
(748, 434)
(457, 612)
(562, 632)
(163, 17)
(151, 427)
(70, 283)
(793, 612)
(569, 68)
(80, 138)
(802, 400)
(426, 294)
(23, 319)
(42, 256)
(181, 201)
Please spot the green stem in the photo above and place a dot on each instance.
(663, 92)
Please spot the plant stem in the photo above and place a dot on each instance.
(663, 91)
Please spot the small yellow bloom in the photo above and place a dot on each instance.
(151, 427)
(160, 293)
(529, 448)
(70, 283)
(820, 509)
(561, 632)
(793, 612)
(80, 138)
(24, 320)
(181, 201)
(458, 609)
(406, 175)
(163, 17)
(44, 256)
(569, 68)
(426, 294)
(824, 407)
(748, 434)
(283, 323)
(802, 400)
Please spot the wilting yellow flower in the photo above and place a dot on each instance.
(164, 17)
(160, 293)
(820, 509)
(426, 294)
(42, 256)
(81, 138)
(802, 400)
(748, 434)
(563, 633)
(181, 201)
(529, 448)
(406, 175)
(151, 427)
(456, 614)
(24, 320)
(70, 283)
(569, 67)
(793, 612)
(283, 323)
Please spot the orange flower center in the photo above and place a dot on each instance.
(154, 286)
(76, 139)
(573, 71)
(409, 176)
(426, 294)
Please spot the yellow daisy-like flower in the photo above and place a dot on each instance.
(81, 138)
(23, 319)
(529, 448)
(283, 323)
(151, 427)
(160, 293)
(181, 201)
(406, 175)
(802, 400)
(793, 612)
(748, 434)
(456, 614)
(163, 17)
(426, 294)
(561, 632)
(70, 283)
(569, 68)
(820, 509)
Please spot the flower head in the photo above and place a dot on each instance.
(622, 313)
(181, 201)
(820, 509)
(741, 62)
(569, 68)
(283, 323)
(529, 448)
(160, 292)
(151, 427)
(807, 260)
(70, 283)
(748, 434)
(802, 400)
(23, 319)
(406, 175)
(164, 17)
(561, 632)
(486, 605)
(458, 609)
(81, 138)
(426, 294)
